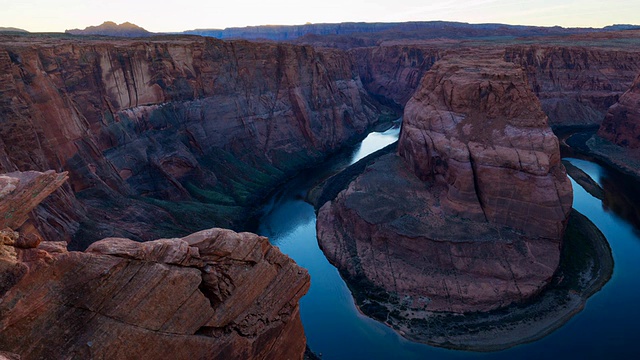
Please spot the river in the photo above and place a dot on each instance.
(606, 328)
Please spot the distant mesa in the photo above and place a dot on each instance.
(12, 29)
(109, 28)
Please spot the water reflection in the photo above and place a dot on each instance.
(620, 191)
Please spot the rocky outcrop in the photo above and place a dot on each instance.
(470, 215)
(484, 135)
(182, 131)
(21, 192)
(109, 28)
(212, 294)
(622, 123)
(576, 85)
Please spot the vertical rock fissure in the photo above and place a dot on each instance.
(476, 184)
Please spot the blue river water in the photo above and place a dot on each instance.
(608, 327)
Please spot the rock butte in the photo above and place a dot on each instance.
(212, 294)
(470, 214)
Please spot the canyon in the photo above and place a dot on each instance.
(171, 138)
(193, 132)
(174, 135)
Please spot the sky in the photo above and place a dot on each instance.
(179, 15)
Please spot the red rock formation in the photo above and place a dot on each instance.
(21, 192)
(485, 136)
(183, 131)
(471, 216)
(622, 123)
(212, 294)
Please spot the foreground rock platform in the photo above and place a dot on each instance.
(214, 294)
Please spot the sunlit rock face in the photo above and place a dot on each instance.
(469, 215)
(183, 131)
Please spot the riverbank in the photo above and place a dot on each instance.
(588, 143)
(586, 266)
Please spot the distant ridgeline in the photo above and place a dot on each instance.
(428, 29)
(12, 29)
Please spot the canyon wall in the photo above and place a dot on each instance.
(621, 125)
(576, 85)
(214, 294)
(171, 135)
(393, 72)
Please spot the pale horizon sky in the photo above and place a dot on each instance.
(173, 16)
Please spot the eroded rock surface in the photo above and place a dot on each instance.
(576, 85)
(21, 192)
(622, 123)
(215, 294)
(470, 215)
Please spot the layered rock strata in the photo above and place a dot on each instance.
(470, 214)
(621, 125)
(180, 131)
(393, 72)
(576, 85)
(212, 294)
(617, 141)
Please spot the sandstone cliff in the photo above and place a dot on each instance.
(212, 294)
(576, 85)
(470, 215)
(393, 72)
(182, 132)
(617, 142)
(622, 122)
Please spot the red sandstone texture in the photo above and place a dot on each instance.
(213, 294)
(470, 215)
(394, 72)
(183, 131)
(622, 123)
(576, 84)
